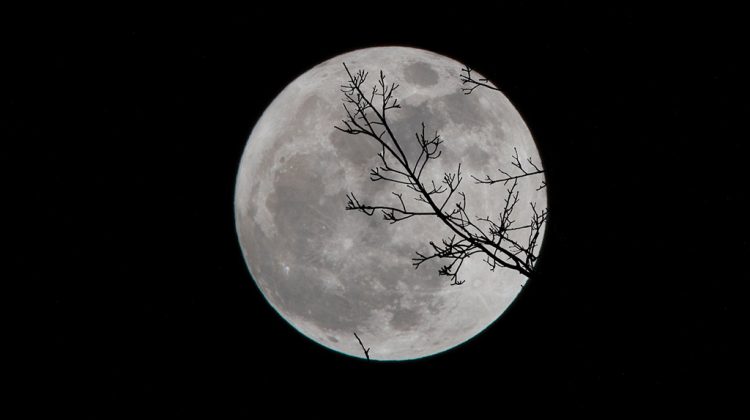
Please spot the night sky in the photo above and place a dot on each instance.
(132, 126)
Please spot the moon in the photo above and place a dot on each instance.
(330, 272)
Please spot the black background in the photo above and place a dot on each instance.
(133, 125)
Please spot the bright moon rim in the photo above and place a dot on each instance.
(330, 272)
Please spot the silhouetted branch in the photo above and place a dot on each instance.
(469, 83)
(508, 177)
(367, 351)
(366, 114)
(456, 251)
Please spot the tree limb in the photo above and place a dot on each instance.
(367, 350)
(469, 83)
(366, 114)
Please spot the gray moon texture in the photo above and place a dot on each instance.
(330, 272)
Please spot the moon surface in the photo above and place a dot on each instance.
(330, 272)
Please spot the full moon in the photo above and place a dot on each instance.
(332, 272)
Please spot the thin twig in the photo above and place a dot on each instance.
(367, 351)
(468, 80)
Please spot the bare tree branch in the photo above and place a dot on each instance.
(367, 350)
(367, 114)
(469, 83)
(507, 177)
